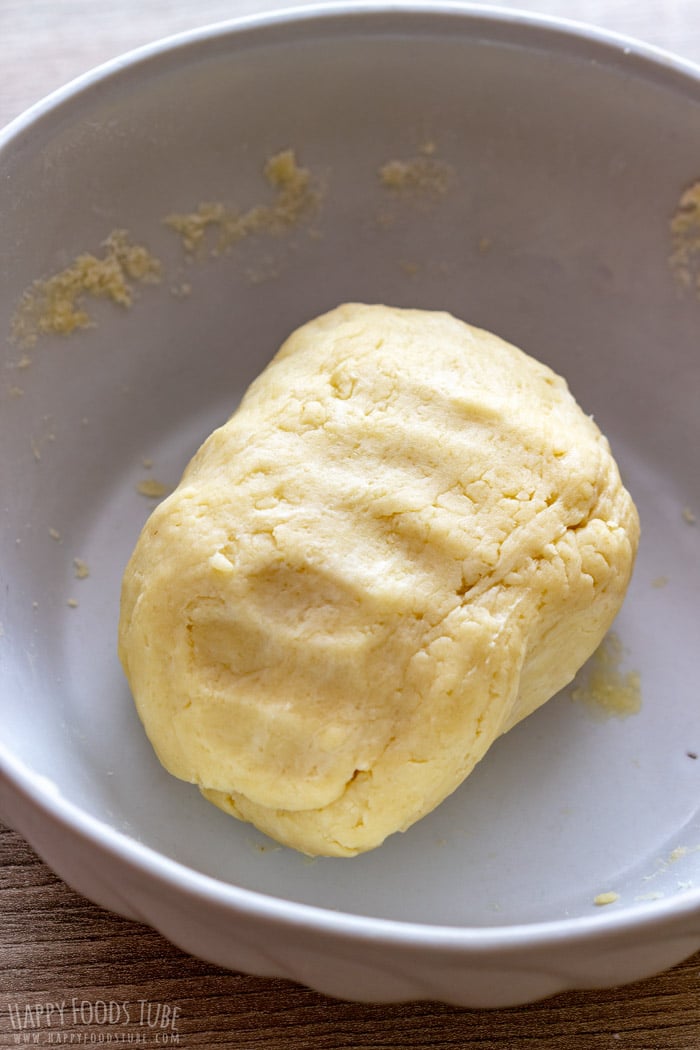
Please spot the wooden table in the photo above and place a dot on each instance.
(54, 945)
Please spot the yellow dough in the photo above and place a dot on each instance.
(406, 539)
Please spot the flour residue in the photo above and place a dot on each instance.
(421, 175)
(674, 856)
(57, 304)
(685, 240)
(606, 689)
(297, 196)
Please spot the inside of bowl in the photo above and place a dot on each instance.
(550, 171)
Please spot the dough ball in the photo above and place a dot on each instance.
(406, 539)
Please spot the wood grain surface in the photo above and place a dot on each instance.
(57, 947)
(120, 983)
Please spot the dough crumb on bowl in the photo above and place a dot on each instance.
(56, 305)
(685, 239)
(423, 174)
(606, 690)
(81, 570)
(673, 857)
(181, 291)
(298, 196)
(151, 488)
(606, 898)
(405, 540)
(417, 183)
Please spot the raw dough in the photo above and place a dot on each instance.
(407, 538)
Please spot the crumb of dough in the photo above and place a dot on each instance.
(147, 462)
(297, 196)
(16, 391)
(427, 538)
(420, 175)
(685, 239)
(606, 689)
(24, 362)
(56, 305)
(606, 898)
(35, 605)
(36, 452)
(81, 569)
(55, 535)
(688, 516)
(181, 291)
(659, 581)
(418, 181)
(484, 245)
(71, 603)
(151, 488)
(664, 863)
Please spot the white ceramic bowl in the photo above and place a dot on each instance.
(569, 151)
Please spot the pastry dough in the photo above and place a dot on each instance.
(406, 539)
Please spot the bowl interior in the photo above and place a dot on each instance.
(564, 161)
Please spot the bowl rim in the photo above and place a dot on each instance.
(581, 40)
(64, 814)
(599, 43)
